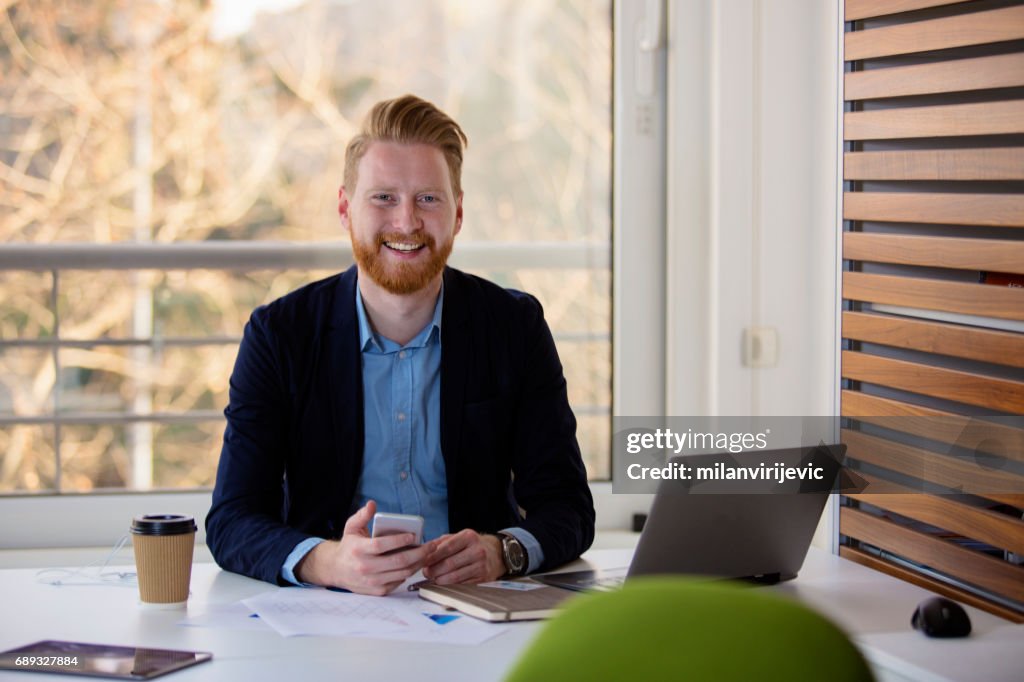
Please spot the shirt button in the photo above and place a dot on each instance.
(401, 416)
(401, 355)
(404, 475)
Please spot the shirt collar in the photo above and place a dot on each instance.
(369, 339)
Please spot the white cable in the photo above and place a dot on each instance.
(83, 576)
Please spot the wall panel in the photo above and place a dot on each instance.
(933, 391)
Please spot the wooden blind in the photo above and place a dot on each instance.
(933, 295)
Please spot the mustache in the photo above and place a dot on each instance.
(415, 239)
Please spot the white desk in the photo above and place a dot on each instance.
(874, 608)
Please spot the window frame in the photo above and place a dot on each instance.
(636, 257)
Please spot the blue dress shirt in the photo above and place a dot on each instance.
(403, 467)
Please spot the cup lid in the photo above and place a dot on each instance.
(163, 524)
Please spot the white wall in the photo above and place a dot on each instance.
(752, 237)
(753, 193)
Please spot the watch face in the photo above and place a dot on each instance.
(514, 554)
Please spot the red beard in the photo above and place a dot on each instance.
(401, 277)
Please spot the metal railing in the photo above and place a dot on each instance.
(239, 257)
(248, 256)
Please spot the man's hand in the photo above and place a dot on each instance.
(358, 563)
(466, 557)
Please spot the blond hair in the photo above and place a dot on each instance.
(409, 120)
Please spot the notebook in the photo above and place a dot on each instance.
(499, 601)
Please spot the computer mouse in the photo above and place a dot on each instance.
(941, 617)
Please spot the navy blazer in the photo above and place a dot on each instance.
(293, 445)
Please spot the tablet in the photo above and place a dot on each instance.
(99, 660)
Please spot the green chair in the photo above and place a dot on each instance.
(687, 629)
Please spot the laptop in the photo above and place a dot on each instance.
(755, 531)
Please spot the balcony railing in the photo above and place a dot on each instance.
(236, 257)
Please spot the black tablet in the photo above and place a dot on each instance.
(99, 660)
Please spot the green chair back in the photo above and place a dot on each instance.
(686, 629)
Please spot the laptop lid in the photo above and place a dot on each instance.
(744, 515)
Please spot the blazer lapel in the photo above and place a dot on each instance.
(455, 352)
(345, 379)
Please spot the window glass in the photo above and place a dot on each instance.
(223, 123)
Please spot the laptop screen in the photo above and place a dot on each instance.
(742, 515)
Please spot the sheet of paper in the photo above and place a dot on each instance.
(294, 611)
(454, 628)
(401, 616)
(233, 616)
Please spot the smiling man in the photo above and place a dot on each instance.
(399, 385)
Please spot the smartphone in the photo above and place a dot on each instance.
(395, 524)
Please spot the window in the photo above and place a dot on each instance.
(167, 166)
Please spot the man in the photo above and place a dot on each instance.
(400, 385)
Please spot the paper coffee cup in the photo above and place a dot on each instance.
(163, 546)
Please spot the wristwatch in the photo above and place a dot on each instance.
(513, 554)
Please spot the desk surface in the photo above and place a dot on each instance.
(873, 607)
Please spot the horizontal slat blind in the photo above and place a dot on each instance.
(944, 120)
(936, 425)
(957, 340)
(979, 569)
(925, 581)
(972, 388)
(933, 209)
(936, 164)
(862, 9)
(980, 73)
(998, 530)
(938, 208)
(933, 294)
(948, 471)
(995, 210)
(941, 252)
(977, 28)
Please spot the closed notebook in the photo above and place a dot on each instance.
(502, 600)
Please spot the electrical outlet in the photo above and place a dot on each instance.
(760, 347)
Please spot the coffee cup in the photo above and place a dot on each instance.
(163, 545)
